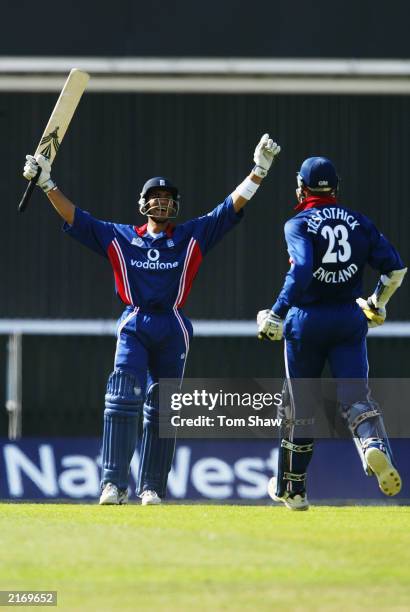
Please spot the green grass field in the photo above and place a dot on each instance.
(208, 557)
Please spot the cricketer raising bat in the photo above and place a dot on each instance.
(58, 123)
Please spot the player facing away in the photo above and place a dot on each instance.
(154, 266)
(323, 319)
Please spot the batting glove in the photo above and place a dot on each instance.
(265, 152)
(375, 316)
(31, 167)
(270, 326)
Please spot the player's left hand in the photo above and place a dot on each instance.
(265, 152)
(375, 316)
(270, 326)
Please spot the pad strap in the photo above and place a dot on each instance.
(364, 416)
(297, 448)
(291, 422)
(371, 441)
(294, 477)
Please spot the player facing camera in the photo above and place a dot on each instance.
(159, 200)
(154, 267)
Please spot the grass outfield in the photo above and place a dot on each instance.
(208, 557)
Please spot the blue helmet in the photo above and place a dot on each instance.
(162, 183)
(318, 174)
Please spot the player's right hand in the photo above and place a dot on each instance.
(31, 167)
(270, 326)
(375, 316)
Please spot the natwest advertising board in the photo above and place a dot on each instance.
(70, 468)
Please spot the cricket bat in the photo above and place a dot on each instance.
(58, 123)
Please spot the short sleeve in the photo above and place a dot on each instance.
(92, 233)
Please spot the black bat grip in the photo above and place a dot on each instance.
(27, 194)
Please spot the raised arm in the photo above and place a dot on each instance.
(64, 206)
(265, 152)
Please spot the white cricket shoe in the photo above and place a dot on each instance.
(150, 498)
(296, 501)
(113, 496)
(387, 476)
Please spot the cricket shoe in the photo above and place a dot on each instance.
(150, 498)
(293, 501)
(387, 476)
(113, 496)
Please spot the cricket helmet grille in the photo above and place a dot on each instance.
(159, 182)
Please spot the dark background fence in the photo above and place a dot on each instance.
(204, 143)
(232, 28)
(65, 376)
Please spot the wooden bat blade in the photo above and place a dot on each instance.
(58, 123)
(62, 114)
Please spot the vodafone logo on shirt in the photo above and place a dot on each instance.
(153, 254)
(153, 262)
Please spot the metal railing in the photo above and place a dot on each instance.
(217, 75)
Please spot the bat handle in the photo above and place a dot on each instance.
(27, 194)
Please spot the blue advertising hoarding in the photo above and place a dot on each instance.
(69, 469)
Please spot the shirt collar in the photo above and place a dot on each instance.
(142, 230)
(314, 201)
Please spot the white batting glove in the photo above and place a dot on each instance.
(375, 316)
(44, 181)
(265, 152)
(270, 326)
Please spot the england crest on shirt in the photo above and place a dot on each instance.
(137, 242)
